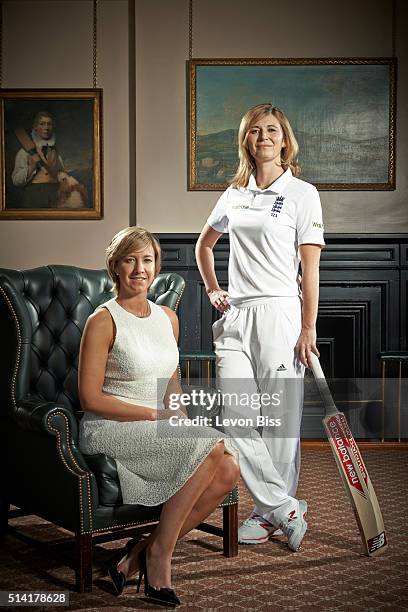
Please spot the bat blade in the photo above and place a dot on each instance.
(24, 139)
(28, 145)
(353, 471)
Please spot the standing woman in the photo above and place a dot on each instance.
(267, 333)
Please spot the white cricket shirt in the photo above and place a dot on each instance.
(265, 228)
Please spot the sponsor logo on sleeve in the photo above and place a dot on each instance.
(317, 224)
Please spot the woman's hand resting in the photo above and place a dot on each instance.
(306, 345)
(219, 299)
(164, 415)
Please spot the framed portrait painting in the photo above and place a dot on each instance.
(51, 154)
(342, 111)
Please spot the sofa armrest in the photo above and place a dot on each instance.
(47, 432)
(34, 415)
(48, 418)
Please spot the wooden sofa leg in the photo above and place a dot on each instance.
(4, 510)
(230, 530)
(83, 567)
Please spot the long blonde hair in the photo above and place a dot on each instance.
(246, 162)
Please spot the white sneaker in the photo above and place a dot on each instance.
(257, 530)
(294, 527)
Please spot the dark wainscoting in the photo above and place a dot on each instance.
(362, 310)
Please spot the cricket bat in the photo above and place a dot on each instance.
(352, 470)
(28, 145)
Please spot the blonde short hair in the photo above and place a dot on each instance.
(246, 162)
(126, 241)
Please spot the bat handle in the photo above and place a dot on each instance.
(322, 386)
(316, 367)
(40, 163)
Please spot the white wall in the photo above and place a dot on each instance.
(48, 44)
(236, 28)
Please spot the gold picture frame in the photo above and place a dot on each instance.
(342, 110)
(51, 163)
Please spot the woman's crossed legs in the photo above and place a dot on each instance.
(196, 499)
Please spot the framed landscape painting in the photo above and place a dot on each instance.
(342, 111)
(51, 154)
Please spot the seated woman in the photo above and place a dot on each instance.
(129, 346)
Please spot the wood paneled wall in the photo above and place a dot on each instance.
(362, 311)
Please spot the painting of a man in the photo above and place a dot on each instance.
(51, 154)
(38, 163)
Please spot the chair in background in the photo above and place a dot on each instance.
(388, 358)
(200, 358)
(42, 315)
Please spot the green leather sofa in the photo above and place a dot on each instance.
(42, 314)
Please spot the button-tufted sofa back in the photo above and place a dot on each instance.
(43, 313)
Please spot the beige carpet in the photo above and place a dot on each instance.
(329, 573)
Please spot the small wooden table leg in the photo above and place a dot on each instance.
(383, 401)
(230, 530)
(83, 568)
(399, 400)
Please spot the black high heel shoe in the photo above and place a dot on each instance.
(164, 596)
(118, 578)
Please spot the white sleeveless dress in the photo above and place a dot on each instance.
(154, 459)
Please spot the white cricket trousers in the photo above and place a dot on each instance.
(254, 348)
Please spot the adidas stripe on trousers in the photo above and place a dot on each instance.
(254, 348)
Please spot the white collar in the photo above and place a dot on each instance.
(40, 142)
(277, 186)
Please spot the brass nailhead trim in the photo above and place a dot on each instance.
(180, 296)
(178, 302)
(84, 476)
(114, 527)
(18, 357)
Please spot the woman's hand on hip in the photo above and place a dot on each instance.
(306, 345)
(219, 299)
